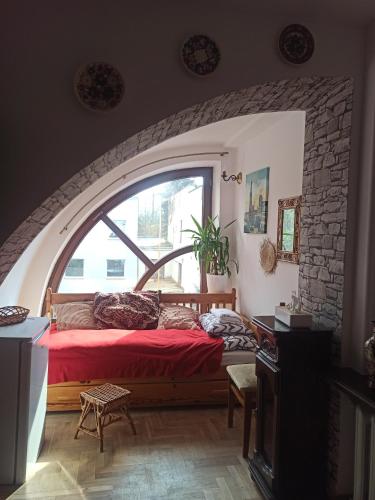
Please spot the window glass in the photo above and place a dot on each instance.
(74, 268)
(96, 249)
(153, 220)
(115, 268)
(180, 275)
(156, 216)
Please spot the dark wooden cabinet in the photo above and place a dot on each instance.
(289, 461)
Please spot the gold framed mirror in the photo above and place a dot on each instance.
(288, 229)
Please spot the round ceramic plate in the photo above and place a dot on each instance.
(296, 44)
(200, 55)
(99, 86)
(267, 255)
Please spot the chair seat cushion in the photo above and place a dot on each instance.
(243, 376)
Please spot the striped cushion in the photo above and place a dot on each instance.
(217, 328)
(240, 343)
(74, 316)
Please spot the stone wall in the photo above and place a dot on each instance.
(324, 210)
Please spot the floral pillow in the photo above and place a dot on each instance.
(74, 316)
(216, 328)
(178, 317)
(127, 310)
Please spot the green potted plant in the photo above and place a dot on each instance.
(211, 248)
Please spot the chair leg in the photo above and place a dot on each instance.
(85, 411)
(231, 400)
(246, 425)
(99, 427)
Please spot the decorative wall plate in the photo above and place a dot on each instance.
(296, 44)
(99, 86)
(200, 55)
(267, 253)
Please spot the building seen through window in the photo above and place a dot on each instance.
(74, 268)
(115, 268)
(153, 220)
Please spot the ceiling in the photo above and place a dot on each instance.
(229, 133)
(359, 12)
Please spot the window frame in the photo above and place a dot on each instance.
(101, 213)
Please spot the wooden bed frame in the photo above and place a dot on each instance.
(159, 391)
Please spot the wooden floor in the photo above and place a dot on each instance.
(177, 454)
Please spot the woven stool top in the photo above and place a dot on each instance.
(105, 393)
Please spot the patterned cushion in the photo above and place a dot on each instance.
(74, 316)
(178, 317)
(217, 328)
(128, 310)
(239, 343)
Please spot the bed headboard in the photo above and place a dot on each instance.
(202, 302)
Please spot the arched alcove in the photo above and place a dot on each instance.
(327, 103)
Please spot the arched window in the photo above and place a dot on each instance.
(135, 239)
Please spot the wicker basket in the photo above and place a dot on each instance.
(9, 315)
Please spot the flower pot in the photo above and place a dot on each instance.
(218, 283)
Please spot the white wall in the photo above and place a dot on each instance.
(279, 147)
(271, 139)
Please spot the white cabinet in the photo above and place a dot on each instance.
(23, 396)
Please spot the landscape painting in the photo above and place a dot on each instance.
(256, 201)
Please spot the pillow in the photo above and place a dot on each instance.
(240, 343)
(225, 314)
(128, 310)
(217, 328)
(178, 317)
(74, 316)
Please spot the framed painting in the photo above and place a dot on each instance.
(256, 201)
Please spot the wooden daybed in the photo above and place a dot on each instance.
(158, 391)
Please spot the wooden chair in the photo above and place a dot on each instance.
(242, 386)
(109, 403)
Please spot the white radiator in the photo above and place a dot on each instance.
(364, 456)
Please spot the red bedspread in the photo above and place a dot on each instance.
(94, 354)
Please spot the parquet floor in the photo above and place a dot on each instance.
(177, 454)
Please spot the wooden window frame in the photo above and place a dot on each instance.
(101, 214)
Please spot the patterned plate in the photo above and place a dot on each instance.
(200, 55)
(99, 86)
(296, 44)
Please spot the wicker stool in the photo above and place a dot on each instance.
(104, 401)
(243, 386)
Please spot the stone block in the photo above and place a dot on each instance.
(342, 145)
(332, 125)
(334, 228)
(319, 260)
(327, 241)
(329, 160)
(322, 178)
(336, 267)
(323, 274)
(339, 244)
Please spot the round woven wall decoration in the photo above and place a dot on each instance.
(99, 86)
(200, 55)
(296, 44)
(268, 254)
